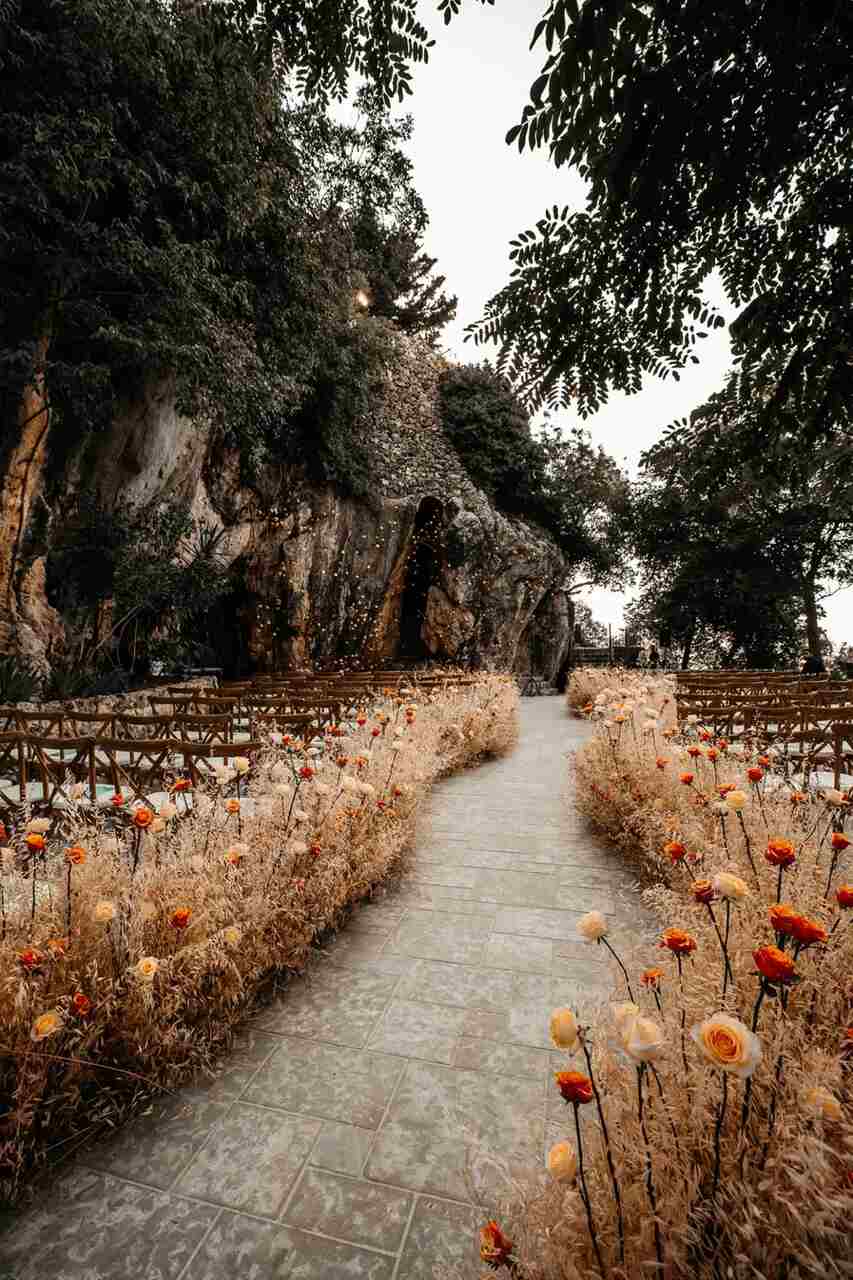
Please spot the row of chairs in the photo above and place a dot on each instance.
(191, 730)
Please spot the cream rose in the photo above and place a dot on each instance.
(232, 935)
(624, 1013)
(736, 800)
(105, 912)
(592, 927)
(561, 1162)
(563, 1029)
(242, 764)
(728, 1044)
(820, 1102)
(167, 810)
(146, 968)
(40, 826)
(730, 887)
(642, 1039)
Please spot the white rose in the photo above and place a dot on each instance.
(146, 968)
(242, 764)
(642, 1039)
(592, 927)
(730, 886)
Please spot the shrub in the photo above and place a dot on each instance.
(489, 428)
(718, 1175)
(146, 943)
(18, 681)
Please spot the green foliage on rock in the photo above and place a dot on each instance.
(557, 479)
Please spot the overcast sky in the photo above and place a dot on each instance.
(480, 193)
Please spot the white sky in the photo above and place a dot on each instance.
(480, 193)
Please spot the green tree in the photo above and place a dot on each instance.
(401, 284)
(712, 137)
(746, 539)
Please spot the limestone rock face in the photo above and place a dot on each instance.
(424, 567)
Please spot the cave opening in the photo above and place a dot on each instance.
(227, 639)
(421, 572)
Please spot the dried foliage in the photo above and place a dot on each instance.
(132, 942)
(740, 1163)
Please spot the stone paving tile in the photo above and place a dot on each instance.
(579, 899)
(342, 1148)
(439, 1099)
(442, 1235)
(537, 922)
(321, 1080)
(416, 1030)
(525, 955)
(353, 1210)
(459, 986)
(251, 1050)
(241, 1248)
(364, 951)
(326, 1008)
(251, 1160)
(429, 897)
(436, 935)
(505, 1059)
(92, 1226)
(155, 1148)
(517, 888)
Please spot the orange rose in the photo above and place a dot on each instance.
(722, 744)
(662, 762)
(182, 784)
(674, 850)
(839, 841)
(232, 806)
(703, 891)
(30, 959)
(651, 977)
(117, 800)
(725, 787)
(180, 918)
(808, 931)
(798, 797)
(81, 1004)
(573, 1086)
(783, 918)
(142, 818)
(774, 964)
(779, 852)
(712, 754)
(75, 855)
(677, 941)
(755, 774)
(57, 946)
(34, 842)
(693, 752)
(686, 779)
(764, 761)
(495, 1247)
(844, 895)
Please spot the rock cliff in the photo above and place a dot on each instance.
(424, 566)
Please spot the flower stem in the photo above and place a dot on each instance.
(650, 1186)
(622, 967)
(585, 1193)
(681, 986)
(67, 901)
(718, 1131)
(727, 973)
(613, 1179)
(748, 848)
(747, 1093)
(726, 946)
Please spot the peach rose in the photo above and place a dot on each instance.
(728, 1044)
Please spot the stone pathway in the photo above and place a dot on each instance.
(352, 1132)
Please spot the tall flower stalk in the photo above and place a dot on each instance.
(650, 1186)
(614, 1181)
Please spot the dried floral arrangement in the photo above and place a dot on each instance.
(133, 940)
(709, 1126)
